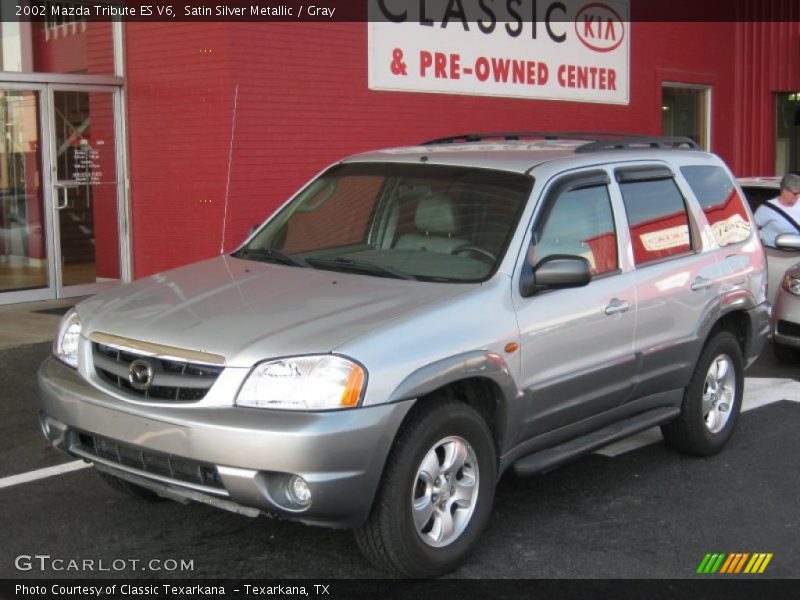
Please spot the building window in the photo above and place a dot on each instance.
(685, 111)
(787, 138)
(59, 22)
(59, 43)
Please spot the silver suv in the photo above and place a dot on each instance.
(414, 322)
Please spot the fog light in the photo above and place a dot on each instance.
(299, 492)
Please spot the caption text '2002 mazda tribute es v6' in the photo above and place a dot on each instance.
(414, 322)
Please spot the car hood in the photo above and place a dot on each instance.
(247, 311)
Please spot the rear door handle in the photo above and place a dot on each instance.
(617, 306)
(701, 283)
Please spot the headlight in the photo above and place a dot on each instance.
(303, 383)
(791, 285)
(65, 346)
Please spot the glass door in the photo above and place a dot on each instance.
(85, 189)
(60, 191)
(26, 271)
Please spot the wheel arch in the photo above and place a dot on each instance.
(479, 379)
(738, 312)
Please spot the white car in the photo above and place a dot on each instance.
(783, 263)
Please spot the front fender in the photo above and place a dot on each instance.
(477, 364)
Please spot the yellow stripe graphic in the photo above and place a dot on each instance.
(759, 563)
(766, 562)
(752, 563)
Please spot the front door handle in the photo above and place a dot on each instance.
(701, 283)
(617, 306)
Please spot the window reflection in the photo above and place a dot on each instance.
(23, 263)
(58, 44)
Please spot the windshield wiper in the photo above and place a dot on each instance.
(271, 254)
(345, 264)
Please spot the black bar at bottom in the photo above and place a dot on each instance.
(711, 587)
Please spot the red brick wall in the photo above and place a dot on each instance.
(768, 61)
(303, 102)
(180, 101)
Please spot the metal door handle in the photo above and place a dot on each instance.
(60, 205)
(62, 194)
(617, 306)
(701, 283)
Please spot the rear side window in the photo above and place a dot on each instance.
(658, 219)
(720, 201)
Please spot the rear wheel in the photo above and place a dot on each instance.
(712, 401)
(436, 494)
(129, 489)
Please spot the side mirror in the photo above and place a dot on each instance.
(788, 241)
(556, 272)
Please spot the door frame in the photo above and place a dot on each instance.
(121, 177)
(49, 291)
(54, 288)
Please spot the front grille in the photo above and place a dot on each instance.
(147, 461)
(789, 328)
(172, 380)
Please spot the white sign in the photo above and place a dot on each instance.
(546, 49)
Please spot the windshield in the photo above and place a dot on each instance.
(425, 222)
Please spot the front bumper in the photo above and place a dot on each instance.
(244, 457)
(786, 319)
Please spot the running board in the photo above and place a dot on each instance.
(545, 460)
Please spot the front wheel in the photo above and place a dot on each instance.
(436, 493)
(712, 401)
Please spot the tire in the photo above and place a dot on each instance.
(438, 437)
(130, 489)
(784, 354)
(712, 401)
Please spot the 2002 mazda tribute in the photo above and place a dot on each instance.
(414, 322)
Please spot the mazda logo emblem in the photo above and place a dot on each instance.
(140, 374)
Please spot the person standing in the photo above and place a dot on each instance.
(782, 213)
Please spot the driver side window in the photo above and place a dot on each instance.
(580, 223)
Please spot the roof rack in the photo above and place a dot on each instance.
(636, 142)
(519, 135)
(596, 140)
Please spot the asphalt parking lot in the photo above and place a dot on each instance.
(630, 512)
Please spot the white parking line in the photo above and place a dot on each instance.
(75, 465)
(759, 391)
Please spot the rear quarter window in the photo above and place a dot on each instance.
(721, 203)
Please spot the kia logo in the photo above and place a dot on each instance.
(140, 374)
(599, 27)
